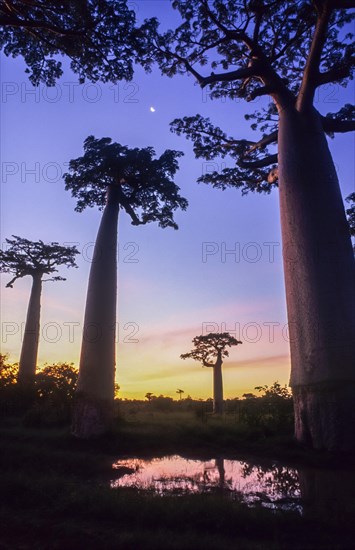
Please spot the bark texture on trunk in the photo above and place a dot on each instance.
(93, 408)
(217, 388)
(91, 417)
(320, 285)
(325, 415)
(29, 349)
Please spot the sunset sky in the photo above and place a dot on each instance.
(221, 271)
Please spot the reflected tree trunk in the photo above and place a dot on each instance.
(328, 495)
(221, 471)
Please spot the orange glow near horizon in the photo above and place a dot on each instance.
(154, 365)
(148, 353)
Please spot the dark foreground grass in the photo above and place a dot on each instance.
(55, 494)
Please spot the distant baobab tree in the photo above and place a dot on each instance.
(113, 177)
(149, 396)
(180, 392)
(207, 348)
(36, 259)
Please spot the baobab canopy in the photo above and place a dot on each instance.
(209, 346)
(98, 36)
(247, 50)
(144, 185)
(23, 257)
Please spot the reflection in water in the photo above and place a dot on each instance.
(281, 482)
(272, 486)
(315, 492)
(329, 494)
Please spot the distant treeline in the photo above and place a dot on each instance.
(50, 403)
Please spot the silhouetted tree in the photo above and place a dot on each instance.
(149, 396)
(162, 403)
(208, 347)
(8, 387)
(351, 215)
(285, 50)
(24, 258)
(180, 392)
(113, 177)
(98, 36)
(8, 372)
(56, 383)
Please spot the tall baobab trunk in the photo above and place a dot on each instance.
(93, 409)
(217, 387)
(320, 286)
(29, 350)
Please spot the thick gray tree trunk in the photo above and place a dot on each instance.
(93, 409)
(320, 286)
(29, 349)
(217, 387)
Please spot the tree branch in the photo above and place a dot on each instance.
(200, 79)
(343, 4)
(332, 125)
(336, 73)
(245, 72)
(216, 21)
(262, 90)
(259, 66)
(311, 71)
(10, 284)
(26, 24)
(271, 138)
(260, 163)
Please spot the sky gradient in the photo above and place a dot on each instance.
(222, 270)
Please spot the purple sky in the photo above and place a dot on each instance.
(171, 283)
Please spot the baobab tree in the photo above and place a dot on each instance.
(36, 259)
(180, 392)
(149, 396)
(113, 177)
(98, 36)
(207, 348)
(287, 51)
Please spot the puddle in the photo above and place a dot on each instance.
(274, 486)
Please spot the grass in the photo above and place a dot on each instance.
(55, 492)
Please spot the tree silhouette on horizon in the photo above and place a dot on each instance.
(180, 392)
(207, 348)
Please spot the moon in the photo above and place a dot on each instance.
(152, 110)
